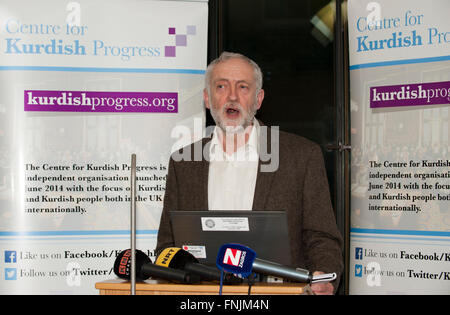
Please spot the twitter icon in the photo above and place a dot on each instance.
(10, 274)
(358, 270)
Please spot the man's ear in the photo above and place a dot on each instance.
(206, 98)
(259, 98)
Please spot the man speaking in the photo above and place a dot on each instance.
(233, 175)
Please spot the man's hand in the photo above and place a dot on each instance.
(321, 288)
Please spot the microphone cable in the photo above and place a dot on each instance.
(221, 282)
(250, 281)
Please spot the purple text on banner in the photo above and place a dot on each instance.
(435, 93)
(104, 102)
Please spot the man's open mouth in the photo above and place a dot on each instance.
(232, 112)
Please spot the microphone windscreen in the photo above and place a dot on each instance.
(175, 257)
(122, 264)
(236, 258)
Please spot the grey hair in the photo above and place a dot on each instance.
(224, 56)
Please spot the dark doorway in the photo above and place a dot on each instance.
(303, 63)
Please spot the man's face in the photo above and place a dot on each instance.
(233, 100)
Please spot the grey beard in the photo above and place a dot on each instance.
(234, 129)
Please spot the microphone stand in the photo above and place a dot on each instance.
(133, 224)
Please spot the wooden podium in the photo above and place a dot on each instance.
(159, 287)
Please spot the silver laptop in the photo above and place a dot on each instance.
(202, 233)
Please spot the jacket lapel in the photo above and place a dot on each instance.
(263, 179)
(262, 188)
(205, 173)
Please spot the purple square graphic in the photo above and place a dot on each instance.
(169, 51)
(171, 30)
(180, 40)
(191, 30)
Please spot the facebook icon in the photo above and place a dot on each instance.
(10, 256)
(358, 253)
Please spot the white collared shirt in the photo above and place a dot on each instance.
(232, 178)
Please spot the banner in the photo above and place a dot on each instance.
(400, 188)
(83, 85)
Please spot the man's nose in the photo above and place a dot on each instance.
(232, 95)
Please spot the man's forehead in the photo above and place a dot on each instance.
(234, 69)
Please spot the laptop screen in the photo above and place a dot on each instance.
(202, 233)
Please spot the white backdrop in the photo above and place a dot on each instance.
(64, 163)
(400, 96)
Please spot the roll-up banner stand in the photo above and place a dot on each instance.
(83, 85)
(400, 94)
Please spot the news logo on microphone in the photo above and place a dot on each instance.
(236, 258)
(125, 263)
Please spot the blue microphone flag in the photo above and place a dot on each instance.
(236, 258)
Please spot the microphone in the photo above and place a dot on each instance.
(177, 258)
(236, 258)
(145, 269)
(240, 259)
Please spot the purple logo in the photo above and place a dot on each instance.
(180, 40)
(105, 102)
(435, 93)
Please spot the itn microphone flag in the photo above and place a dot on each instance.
(236, 258)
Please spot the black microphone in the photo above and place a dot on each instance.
(177, 258)
(145, 269)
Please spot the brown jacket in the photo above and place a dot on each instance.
(299, 186)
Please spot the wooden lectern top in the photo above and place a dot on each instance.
(160, 287)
